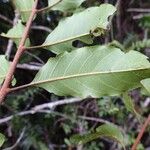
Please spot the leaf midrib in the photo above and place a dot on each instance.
(85, 74)
(60, 41)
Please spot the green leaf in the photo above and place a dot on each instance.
(4, 66)
(146, 84)
(24, 7)
(107, 130)
(145, 21)
(128, 101)
(80, 26)
(16, 33)
(2, 139)
(111, 131)
(66, 5)
(138, 45)
(93, 71)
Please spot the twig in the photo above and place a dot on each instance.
(39, 27)
(80, 131)
(42, 109)
(118, 19)
(34, 27)
(5, 87)
(6, 19)
(147, 122)
(138, 10)
(139, 16)
(94, 119)
(49, 7)
(147, 102)
(51, 105)
(111, 18)
(35, 57)
(23, 113)
(31, 112)
(28, 67)
(10, 42)
(38, 108)
(17, 142)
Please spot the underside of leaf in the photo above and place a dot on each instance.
(93, 71)
(2, 139)
(80, 26)
(4, 65)
(24, 7)
(16, 33)
(66, 5)
(146, 84)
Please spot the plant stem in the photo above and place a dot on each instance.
(147, 122)
(5, 87)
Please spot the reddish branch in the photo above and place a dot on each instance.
(5, 87)
(147, 122)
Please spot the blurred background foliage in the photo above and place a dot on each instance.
(51, 131)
